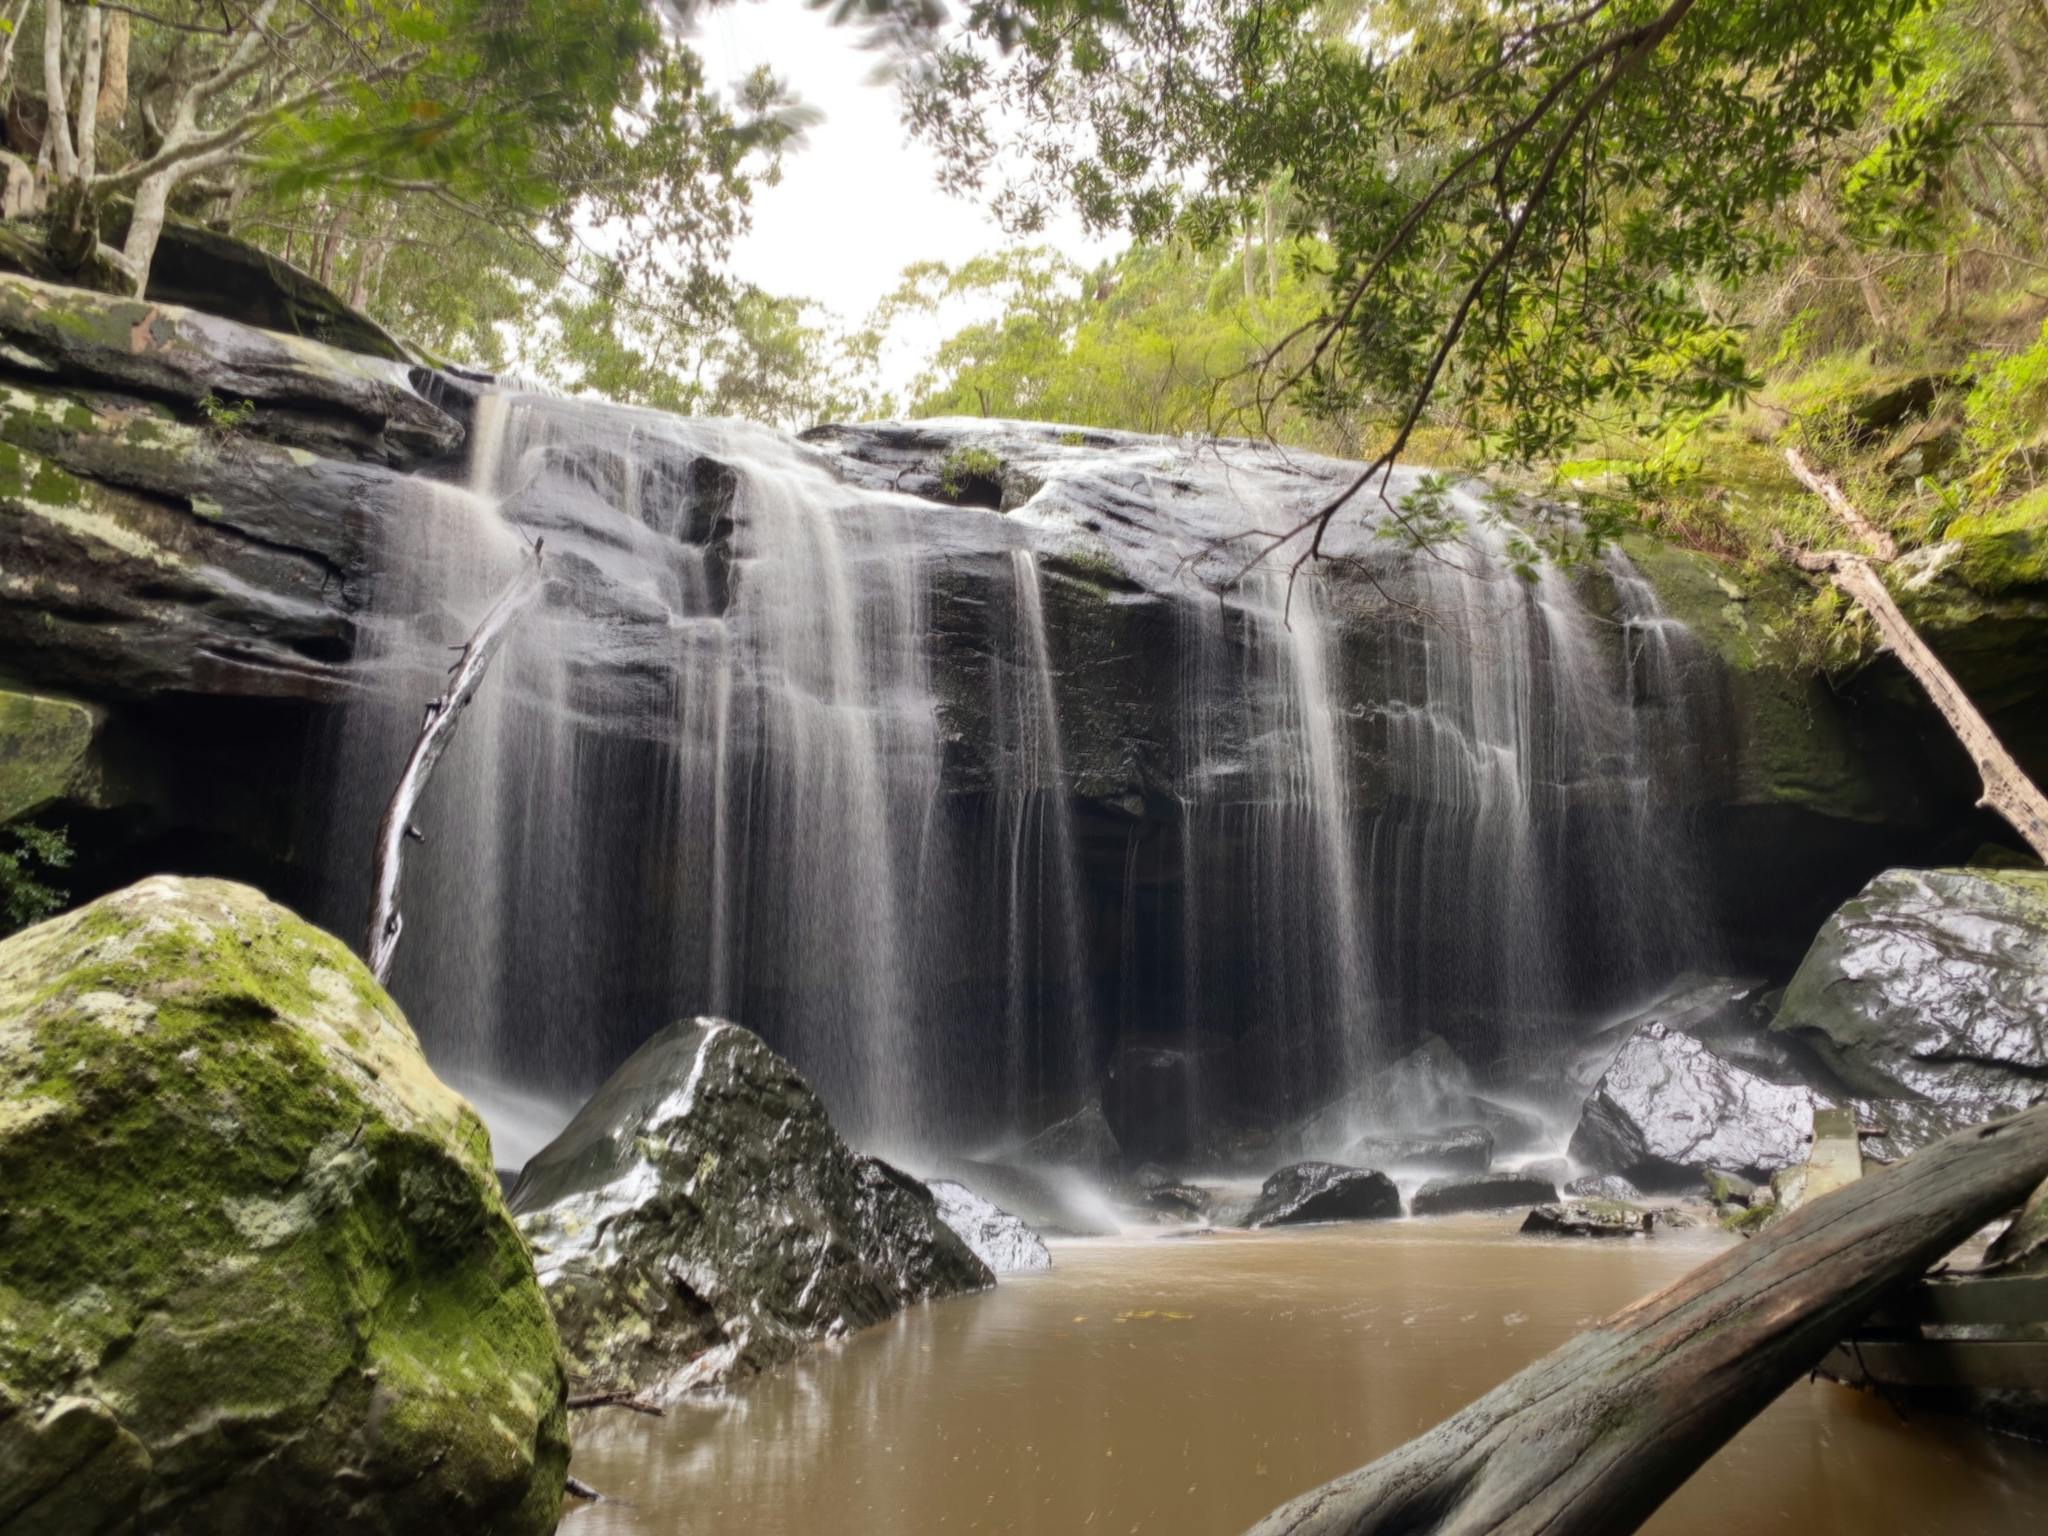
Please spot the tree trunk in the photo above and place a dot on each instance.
(89, 96)
(2007, 789)
(112, 106)
(146, 225)
(57, 130)
(380, 942)
(1591, 1439)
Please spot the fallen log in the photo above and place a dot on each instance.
(380, 942)
(1591, 1439)
(2007, 789)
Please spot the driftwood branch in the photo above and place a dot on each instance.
(2007, 789)
(615, 1400)
(380, 941)
(1592, 1438)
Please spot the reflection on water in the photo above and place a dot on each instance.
(1185, 1386)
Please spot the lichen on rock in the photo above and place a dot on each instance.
(255, 1271)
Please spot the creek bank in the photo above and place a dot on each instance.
(255, 1271)
(700, 1219)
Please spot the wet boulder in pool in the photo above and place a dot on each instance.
(1323, 1192)
(1931, 986)
(700, 1217)
(994, 1236)
(1668, 1107)
(1045, 1201)
(1588, 1218)
(1480, 1192)
(1460, 1148)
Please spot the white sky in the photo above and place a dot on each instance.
(859, 201)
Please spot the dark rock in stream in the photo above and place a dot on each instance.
(1309, 1192)
(700, 1216)
(1932, 986)
(1668, 1107)
(1589, 1218)
(1480, 1192)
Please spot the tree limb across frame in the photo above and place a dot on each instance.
(1590, 1440)
(2007, 789)
(387, 922)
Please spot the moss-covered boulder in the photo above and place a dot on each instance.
(255, 1272)
(701, 1218)
(46, 748)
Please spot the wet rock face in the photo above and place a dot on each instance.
(255, 1271)
(1309, 1192)
(1602, 1186)
(700, 1217)
(992, 1234)
(1082, 1141)
(1480, 1192)
(1463, 1148)
(1932, 985)
(1668, 1106)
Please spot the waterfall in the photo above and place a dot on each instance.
(791, 741)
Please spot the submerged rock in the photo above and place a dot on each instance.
(1668, 1107)
(700, 1217)
(1323, 1192)
(992, 1234)
(1480, 1192)
(255, 1271)
(1463, 1147)
(1589, 1218)
(1932, 985)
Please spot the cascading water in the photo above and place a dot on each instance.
(790, 744)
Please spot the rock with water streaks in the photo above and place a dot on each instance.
(1308, 1192)
(1461, 1148)
(700, 1217)
(1480, 1192)
(992, 1234)
(1931, 986)
(1668, 1107)
(1083, 1141)
(255, 1271)
(1602, 1186)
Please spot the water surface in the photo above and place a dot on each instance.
(1185, 1386)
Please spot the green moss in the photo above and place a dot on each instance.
(239, 1210)
(45, 752)
(2006, 548)
(1749, 1222)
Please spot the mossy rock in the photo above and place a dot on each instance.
(1793, 746)
(2007, 549)
(255, 1271)
(46, 749)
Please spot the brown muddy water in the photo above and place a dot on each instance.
(1184, 1386)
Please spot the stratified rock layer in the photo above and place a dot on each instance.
(255, 1272)
(700, 1216)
